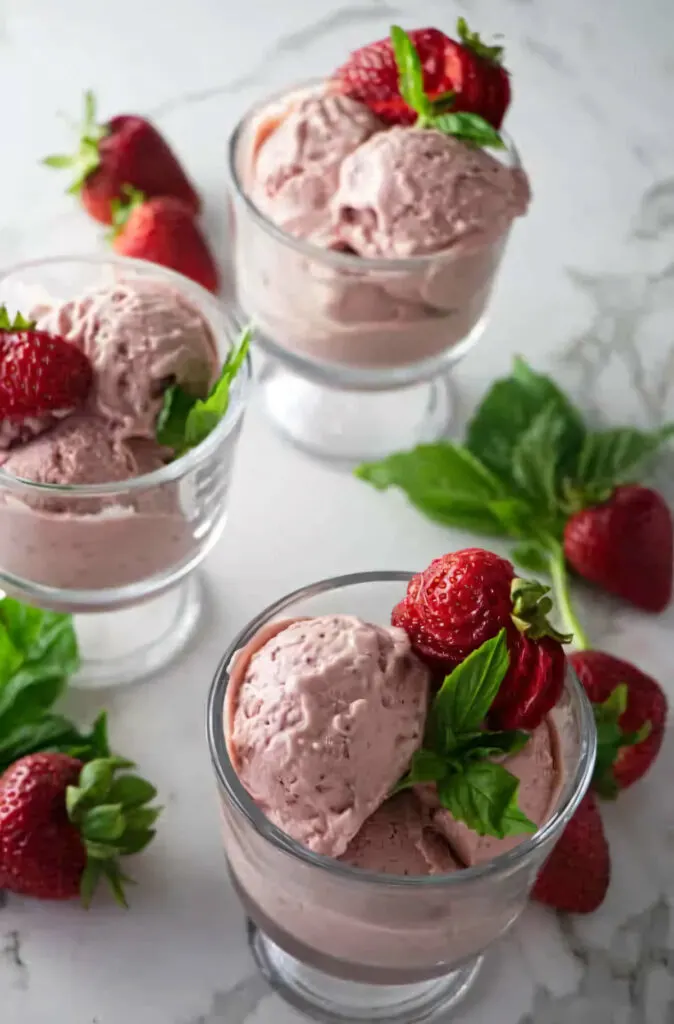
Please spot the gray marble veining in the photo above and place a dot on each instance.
(587, 291)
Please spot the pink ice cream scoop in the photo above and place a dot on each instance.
(400, 839)
(80, 450)
(538, 767)
(297, 156)
(322, 717)
(410, 192)
(140, 336)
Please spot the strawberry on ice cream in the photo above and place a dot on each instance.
(350, 166)
(321, 721)
(81, 391)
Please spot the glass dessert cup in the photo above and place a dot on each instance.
(120, 556)
(345, 945)
(358, 350)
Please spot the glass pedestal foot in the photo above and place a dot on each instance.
(331, 1000)
(121, 647)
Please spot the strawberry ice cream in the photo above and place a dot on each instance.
(537, 767)
(356, 190)
(140, 336)
(400, 839)
(298, 158)
(321, 721)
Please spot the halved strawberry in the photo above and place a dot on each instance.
(39, 372)
(469, 69)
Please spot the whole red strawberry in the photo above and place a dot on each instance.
(39, 372)
(577, 873)
(464, 599)
(63, 825)
(631, 714)
(127, 150)
(468, 68)
(164, 231)
(626, 546)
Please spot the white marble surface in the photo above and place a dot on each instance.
(588, 290)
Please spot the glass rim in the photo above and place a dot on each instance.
(176, 469)
(343, 260)
(236, 792)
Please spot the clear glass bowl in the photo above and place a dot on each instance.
(120, 556)
(345, 945)
(358, 349)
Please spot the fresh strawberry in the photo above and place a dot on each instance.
(164, 231)
(39, 372)
(127, 150)
(626, 546)
(577, 873)
(631, 712)
(469, 69)
(63, 825)
(464, 599)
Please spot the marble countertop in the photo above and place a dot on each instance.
(587, 292)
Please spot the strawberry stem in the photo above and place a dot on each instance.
(560, 582)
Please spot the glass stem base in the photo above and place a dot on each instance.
(331, 1000)
(349, 427)
(121, 647)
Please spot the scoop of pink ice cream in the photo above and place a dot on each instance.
(140, 336)
(409, 192)
(538, 768)
(399, 839)
(82, 450)
(321, 720)
(297, 155)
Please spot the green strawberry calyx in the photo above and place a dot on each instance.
(473, 41)
(112, 815)
(87, 159)
(612, 739)
(437, 113)
(462, 757)
(531, 607)
(16, 323)
(121, 209)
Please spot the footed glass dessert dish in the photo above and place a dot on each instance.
(99, 516)
(366, 258)
(344, 944)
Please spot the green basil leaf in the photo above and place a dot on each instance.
(176, 407)
(531, 556)
(425, 766)
(466, 695)
(609, 457)
(540, 455)
(445, 482)
(506, 413)
(484, 797)
(410, 71)
(205, 415)
(185, 421)
(487, 744)
(52, 733)
(468, 127)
